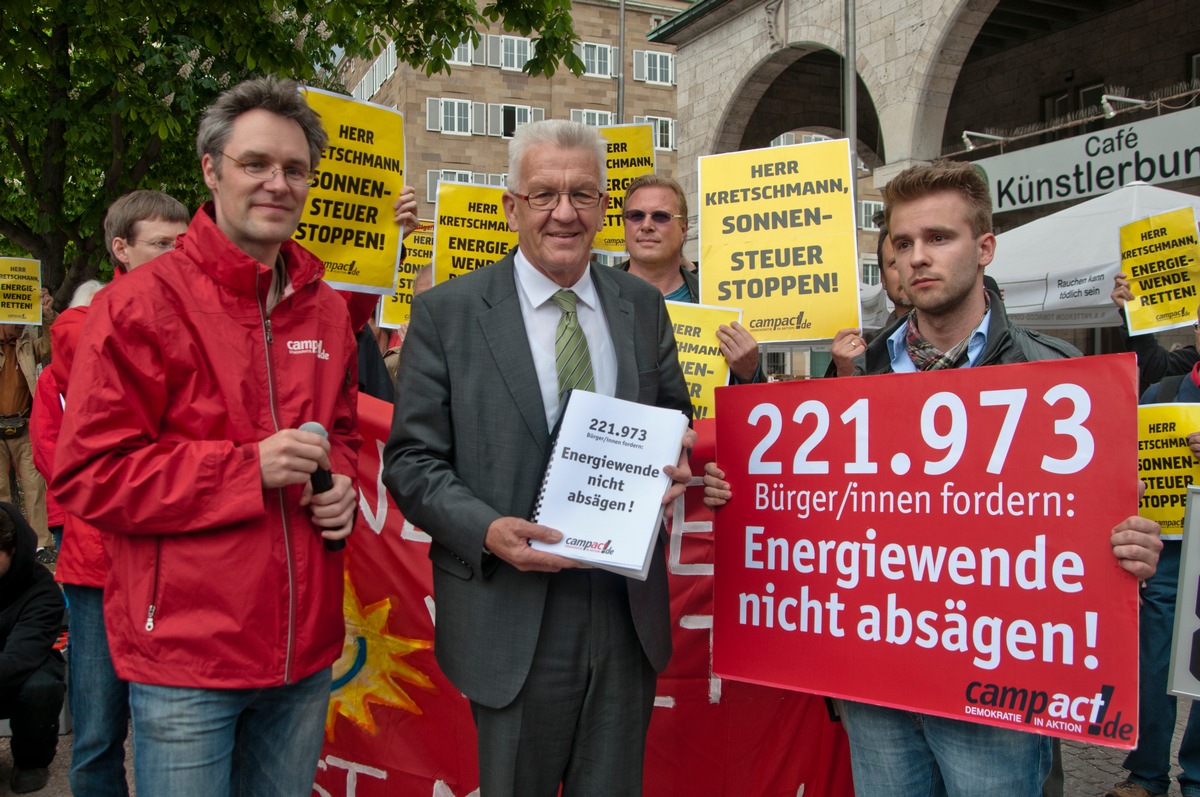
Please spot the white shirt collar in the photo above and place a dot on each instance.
(538, 288)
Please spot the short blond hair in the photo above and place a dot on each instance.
(917, 182)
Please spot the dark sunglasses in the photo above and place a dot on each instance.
(658, 216)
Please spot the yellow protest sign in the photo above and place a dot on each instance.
(20, 291)
(1165, 463)
(348, 218)
(418, 253)
(704, 367)
(778, 239)
(1161, 257)
(471, 230)
(630, 155)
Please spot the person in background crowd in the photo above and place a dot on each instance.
(939, 218)
(223, 603)
(1154, 362)
(138, 227)
(1149, 763)
(849, 344)
(559, 663)
(374, 377)
(656, 225)
(23, 348)
(31, 670)
(422, 282)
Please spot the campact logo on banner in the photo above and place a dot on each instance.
(1158, 150)
(786, 322)
(1058, 711)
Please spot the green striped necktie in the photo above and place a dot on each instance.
(571, 355)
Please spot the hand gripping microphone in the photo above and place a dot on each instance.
(322, 480)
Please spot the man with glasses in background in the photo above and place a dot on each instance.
(180, 441)
(656, 225)
(559, 662)
(138, 227)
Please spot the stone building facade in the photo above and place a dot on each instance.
(1022, 72)
(458, 124)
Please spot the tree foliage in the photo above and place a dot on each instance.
(97, 98)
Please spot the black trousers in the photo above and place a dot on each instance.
(33, 714)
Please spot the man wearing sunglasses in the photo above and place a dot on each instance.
(559, 662)
(656, 224)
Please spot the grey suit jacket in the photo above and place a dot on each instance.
(468, 445)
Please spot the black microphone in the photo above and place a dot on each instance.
(322, 480)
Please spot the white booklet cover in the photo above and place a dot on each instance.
(604, 482)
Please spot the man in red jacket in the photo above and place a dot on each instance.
(222, 601)
(138, 227)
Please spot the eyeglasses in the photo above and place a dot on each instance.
(263, 170)
(548, 200)
(657, 216)
(162, 244)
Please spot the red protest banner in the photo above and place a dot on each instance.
(936, 542)
(396, 726)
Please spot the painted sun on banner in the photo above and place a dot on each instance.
(778, 239)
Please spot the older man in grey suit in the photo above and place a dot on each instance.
(559, 663)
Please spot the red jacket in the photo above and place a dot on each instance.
(45, 419)
(214, 582)
(81, 557)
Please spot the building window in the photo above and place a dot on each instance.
(654, 67)
(463, 53)
(591, 118)
(514, 52)
(458, 117)
(445, 175)
(870, 271)
(783, 140)
(503, 120)
(866, 215)
(664, 130)
(776, 363)
(597, 59)
(382, 69)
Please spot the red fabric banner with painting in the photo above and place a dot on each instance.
(936, 542)
(396, 726)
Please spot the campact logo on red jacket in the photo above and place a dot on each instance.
(316, 347)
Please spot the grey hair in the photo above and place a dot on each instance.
(85, 292)
(279, 96)
(557, 133)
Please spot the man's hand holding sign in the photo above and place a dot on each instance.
(1012, 608)
(930, 546)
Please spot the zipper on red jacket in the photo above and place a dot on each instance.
(154, 585)
(287, 542)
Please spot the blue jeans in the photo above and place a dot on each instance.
(901, 753)
(99, 700)
(1149, 764)
(226, 742)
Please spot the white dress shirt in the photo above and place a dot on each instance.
(541, 315)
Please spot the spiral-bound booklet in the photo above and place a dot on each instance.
(604, 481)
